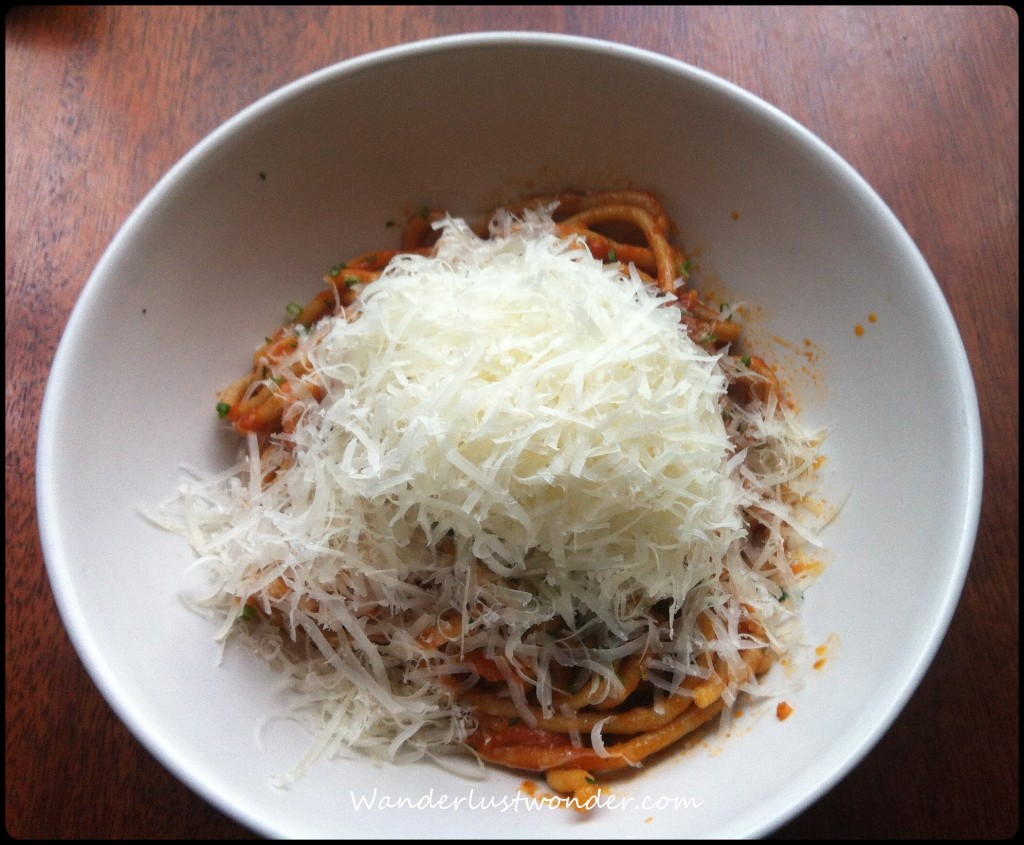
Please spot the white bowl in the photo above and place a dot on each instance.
(310, 174)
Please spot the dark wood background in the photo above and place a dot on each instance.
(100, 102)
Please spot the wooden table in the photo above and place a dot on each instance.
(923, 102)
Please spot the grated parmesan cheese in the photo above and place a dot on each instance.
(512, 435)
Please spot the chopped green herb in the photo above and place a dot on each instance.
(613, 255)
(351, 280)
(223, 409)
(337, 268)
(746, 360)
(248, 613)
(278, 379)
(590, 779)
(294, 309)
(784, 596)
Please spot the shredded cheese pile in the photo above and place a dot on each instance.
(514, 438)
(547, 412)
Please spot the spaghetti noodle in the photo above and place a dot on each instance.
(566, 578)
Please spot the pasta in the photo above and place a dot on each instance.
(543, 609)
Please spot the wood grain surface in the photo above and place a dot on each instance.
(923, 102)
